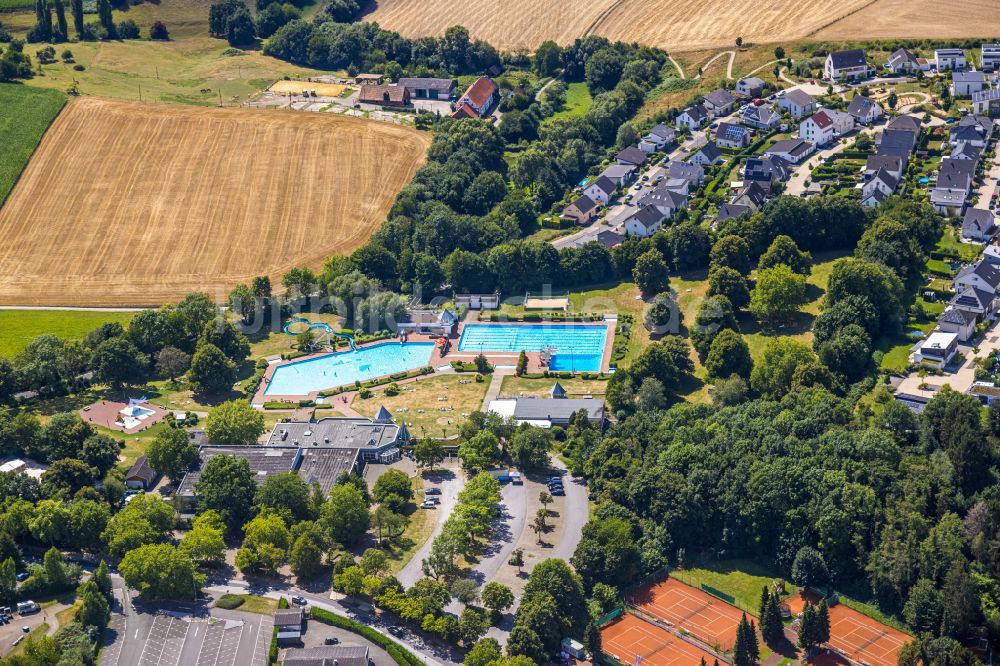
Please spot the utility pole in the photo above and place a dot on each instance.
(220, 97)
(140, 92)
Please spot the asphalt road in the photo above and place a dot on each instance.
(450, 482)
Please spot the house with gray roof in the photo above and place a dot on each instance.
(977, 301)
(729, 135)
(797, 102)
(719, 102)
(751, 195)
(657, 139)
(729, 211)
(954, 183)
(791, 150)
(959, 322)
(890, 163)
(902, 62)
(691, 172)
(965, 84)
(707, 155)
(986, 102)
(548, 412)
(771, 169)
(632, 156)
(620, 174)
(645, 221)
(896, 143)
(850, 65)
(760, 117)
(665, 200)
(691, 118)
(601, 189)
(864, 109)
(428, 88)
(328, 655)
(981, 275)
(978, 225)
(750, 86)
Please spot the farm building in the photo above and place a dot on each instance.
(479, 99)
(380, 95)
(443, 89)
(369, 79)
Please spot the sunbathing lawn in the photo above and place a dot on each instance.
(416, 534)
(539, 388)
(275, 341)
(419, 405)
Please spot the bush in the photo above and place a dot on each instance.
(159, 32)
(128, 29)
(78, 67)
(229, 601)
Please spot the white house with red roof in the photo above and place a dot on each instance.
(479, 100)
(817, 128)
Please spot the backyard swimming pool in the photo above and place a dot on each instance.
(578, 347)
(332, 370)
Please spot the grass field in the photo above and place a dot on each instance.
(419, 404)
(19, 327)
(27, 113)
(251, 603)
(578, 101)
(740, 578)
(130, 204)
(418, 531)
(539, 388)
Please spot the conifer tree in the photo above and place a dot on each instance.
(77, 8)
(106, 18)
(822, 623)
(61, 34)
(765, 596)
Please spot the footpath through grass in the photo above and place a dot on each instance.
(19, 327)
(25, 114)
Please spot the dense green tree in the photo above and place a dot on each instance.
(777, 295)
(651, 273)
(729, 355)
(529, 447)
(480, 452)
(234, 422)
(94, 609)
(204, 543)
(160, 571)
(345, 515)
(952, 422)
(607, 553)
(393, 489)
(306, 558)
(662, 315)
(288, 495)
(727, 282)
(773, 372)
(497, 597)
(714, 315)
(809, 568)
(731, 252)
(172, 453)
(221, 333)
(106, 18)
(227, 486)
(485, 652)
(783, 250)
(211, 370)
(428, 453)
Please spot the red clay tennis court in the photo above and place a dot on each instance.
(707, 618)
(862, 639)
(631, 636)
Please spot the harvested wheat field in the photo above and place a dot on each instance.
(132, 204)
(508, 24)
(898, 19)
(296, 88)
(691, 25)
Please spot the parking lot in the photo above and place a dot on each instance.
(225, 638)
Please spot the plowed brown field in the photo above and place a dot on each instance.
(687, 25)
(132, 204)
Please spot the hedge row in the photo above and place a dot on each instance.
(399, 654)
(539, 317)
(426, 370)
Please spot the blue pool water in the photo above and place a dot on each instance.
(332, 370)
(924, 180)
(579, 347)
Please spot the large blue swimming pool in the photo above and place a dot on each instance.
(332, 370)
(578, 347)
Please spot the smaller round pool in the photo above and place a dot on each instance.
(924, 180)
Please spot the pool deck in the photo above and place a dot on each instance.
(438, 362)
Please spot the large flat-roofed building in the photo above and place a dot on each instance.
(325, 465)
(263, 461)
(376, 440)
(328, 655)
(548, 412)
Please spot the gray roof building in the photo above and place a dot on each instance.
(728, 211)
(264, 461)
(327, 655)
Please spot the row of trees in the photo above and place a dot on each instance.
(45, 30)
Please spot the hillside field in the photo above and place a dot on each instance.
(25, 114)
(686, 26)
(132, 204)
(19, 327)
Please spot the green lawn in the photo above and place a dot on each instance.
(742, 579)
(951, 244)
(251, 603)
(19, 327)
(27, 113)
(578, 101)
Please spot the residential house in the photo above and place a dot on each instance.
(632, 156)
(953, 185)
(707, 155)
(644, 222)
(797, 103)
(427, 88)
(791, 150)
(601, 189)
(817, 128)
(973, 130)
(989, 59)
(752, 196)
(679, 185)
(729, 211)
(982, 275)
(750, 87)
(878, 188)
(657, 139)
(620, 174)
(141, 476)
(892, 164)
(381, 95)
(581, 211)
(937, 349)
(991, 253)
(848, 65)
(843, 123)
(864, 109)
(977, 301)
(479, 99)
(905, 122)
(760, 117)
(959, 322)
(691, 172)
(986, 103)
(769, 169)
(978, 225)
(719, 102)
(896, 143)
(733, 136)
(949, 59)
(610, 239)
(667, 202)
(966, 84)
(691, 118)
(967, 151)
(902, 62)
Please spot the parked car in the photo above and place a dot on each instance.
(26, 629)
(428, 504)
(332, 640)
(22, 576)
(396, 631)
(299, 600)
(559, 492)
(432, 491)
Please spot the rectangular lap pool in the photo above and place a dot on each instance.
(577, 347)
(333, 370)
